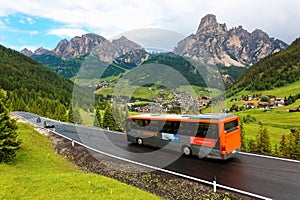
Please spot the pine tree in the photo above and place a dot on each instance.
(97, 119)
(263, 141)
(119, 117)
(252, 146)
(275, 150)
(108, 118)
(244, 142)
(77, 117)
(9, 144)
(295, 148)
(283, 146)
(70, 114)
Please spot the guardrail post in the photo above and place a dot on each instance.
(215, 184)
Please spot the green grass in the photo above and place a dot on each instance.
(87, 118)
(251, 131)
(285, 91)
(38, 173)
(278, 117)
(278, 121)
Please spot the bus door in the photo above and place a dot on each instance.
(206, 142)
(169, 135)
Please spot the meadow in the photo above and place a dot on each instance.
(39, 173)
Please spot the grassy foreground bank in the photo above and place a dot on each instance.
(38, 173)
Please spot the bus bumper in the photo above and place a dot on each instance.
(216, 154)
(229, 155)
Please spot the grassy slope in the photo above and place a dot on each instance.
(40, 174)
(278, 121)
(285, 91)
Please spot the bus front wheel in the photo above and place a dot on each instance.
(140, 141)
(186, 150)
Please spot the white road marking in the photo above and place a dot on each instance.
(270, 157)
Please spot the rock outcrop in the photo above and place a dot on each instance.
(86, 44)
(214, 44)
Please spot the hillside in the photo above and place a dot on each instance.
(40, 173)
(32, 87)
(271, 72)
(65, 68)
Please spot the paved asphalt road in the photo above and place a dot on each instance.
(276, 179)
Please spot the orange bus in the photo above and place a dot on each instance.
(215, 136)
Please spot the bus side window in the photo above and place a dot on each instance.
(176, 126)
(153, 126)
(213, 131)
(168, 127)
(202, 130)
(188, 129)
(128, 125)
(231, 126)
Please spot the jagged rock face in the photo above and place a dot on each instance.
(27, 52)
(80, 46)
(122, 46)
(60, 48)
(41, 51)
(214, 44)
(137, 57)
(86, 44)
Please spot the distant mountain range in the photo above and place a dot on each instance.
(81, 46)
(211, 44)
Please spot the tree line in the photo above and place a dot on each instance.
(34, 88)
(289, 145)
(112, 116)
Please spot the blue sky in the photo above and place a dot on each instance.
(34, 23)
(20, 30)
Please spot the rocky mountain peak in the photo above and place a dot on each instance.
(207, 20)
(257, 33)
(61, 46)
(209, 24)
(27, 52)
(214, 44)
(41, 51)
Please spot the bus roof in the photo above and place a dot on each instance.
(211, 116)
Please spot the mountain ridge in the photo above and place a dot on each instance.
(80, 46)
(214, 44)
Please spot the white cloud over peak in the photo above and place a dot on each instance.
(67, 32)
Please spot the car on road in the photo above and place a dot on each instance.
(49, 124)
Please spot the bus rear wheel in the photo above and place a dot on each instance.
(186, 151)
(140, 141)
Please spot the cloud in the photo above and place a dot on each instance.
(33, 33)
(153, 38)
(117, 16)
(30, 20)
(22, 21)
(67, 32)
